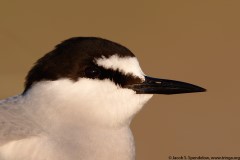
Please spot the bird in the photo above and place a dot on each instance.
(78, 103)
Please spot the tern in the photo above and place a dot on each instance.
(78, 103)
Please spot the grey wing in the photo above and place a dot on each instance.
(15, 124)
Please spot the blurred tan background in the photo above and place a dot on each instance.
(193, 41)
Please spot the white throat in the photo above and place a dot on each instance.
(96, 102)
(87, 116)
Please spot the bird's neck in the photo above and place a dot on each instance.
(90, 142)
(79, 138)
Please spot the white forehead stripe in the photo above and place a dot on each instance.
(127, 65)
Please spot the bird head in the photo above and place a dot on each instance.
(95, 80)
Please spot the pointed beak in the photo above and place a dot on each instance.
(164, 86)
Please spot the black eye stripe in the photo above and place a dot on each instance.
(115, 76)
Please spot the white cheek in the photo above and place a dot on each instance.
(113, 104)
(99, 101)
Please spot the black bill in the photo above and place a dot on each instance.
(164, 86)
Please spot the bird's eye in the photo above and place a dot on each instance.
(92, 72)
